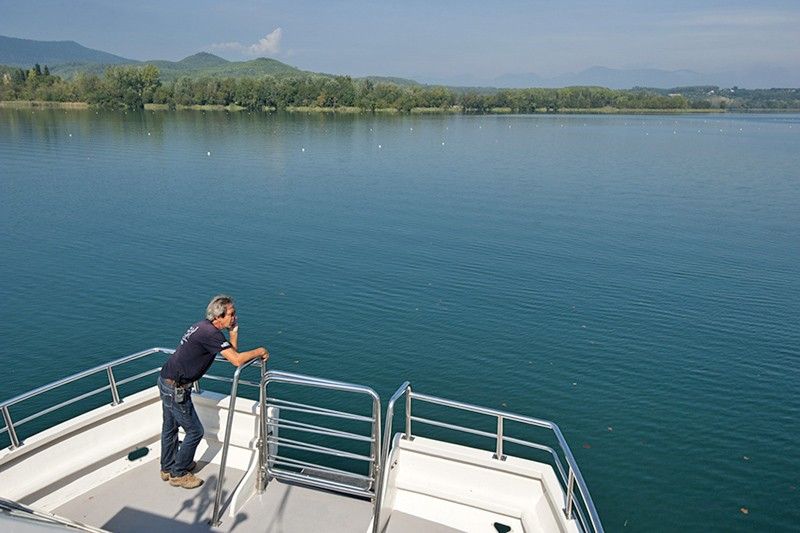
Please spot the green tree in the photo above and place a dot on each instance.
(128, 87)
(365, 98)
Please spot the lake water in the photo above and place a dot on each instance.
(633, 278)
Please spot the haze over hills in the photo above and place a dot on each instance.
(198, 65)
(25, 52)
(767, 77)
(763, 77)
(611, 78)
(67, 58)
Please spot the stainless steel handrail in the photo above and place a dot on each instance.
(279, 459)
(286, 405)
(112, 385)
(574, 471)
(574, 475)
(293, 425)
(375, 438)
(15, 507)
(405, 388)
(227, 440)
(379, 453)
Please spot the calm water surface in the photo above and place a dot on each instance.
(634, 279)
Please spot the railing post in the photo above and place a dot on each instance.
(383, 473)
(408, 414)
(570, 493)
(215, 519)
(113, 384)
(375, 446)
(10, 427)
(261, 476)
(499, 452)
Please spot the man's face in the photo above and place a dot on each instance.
(227, 320)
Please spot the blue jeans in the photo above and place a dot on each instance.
(177, 456)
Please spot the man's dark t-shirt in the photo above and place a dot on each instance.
(201, 342)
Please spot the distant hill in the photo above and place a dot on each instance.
(607, 77)
(209, 65)
(627, 78)
(392, 79)
(199, 61)
(68, 58)
(25, 53)
(650, 77)
(196, 66)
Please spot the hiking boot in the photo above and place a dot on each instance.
(187, 481)
(165, 475)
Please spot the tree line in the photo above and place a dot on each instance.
(127, 87)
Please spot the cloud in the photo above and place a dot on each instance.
(268, 45)
(739, 19)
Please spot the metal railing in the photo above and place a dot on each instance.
(273, 464)
(405, 388)
(26, 513)
(113, 386)
(573, 508)
(215, 519)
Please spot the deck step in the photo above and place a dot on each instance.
(448, 515)
(402, 523)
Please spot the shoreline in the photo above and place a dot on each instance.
(33, 104)
(455, 110)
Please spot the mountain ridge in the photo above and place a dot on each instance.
(24, 53)
(79, 59)
(68, 58)
(614, 78)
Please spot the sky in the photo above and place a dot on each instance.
(430, 39)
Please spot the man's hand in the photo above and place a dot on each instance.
(240, 358)
(233, 332)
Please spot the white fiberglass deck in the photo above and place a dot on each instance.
(466, 489)
(80, 476)
(441, 501)
(100, 469)
(139, 500)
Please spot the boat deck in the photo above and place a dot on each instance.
(96, 469)
(139, 500)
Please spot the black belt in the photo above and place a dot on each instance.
(173, 383)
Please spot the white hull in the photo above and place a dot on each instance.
(80, 470)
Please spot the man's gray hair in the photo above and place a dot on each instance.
(218, 306)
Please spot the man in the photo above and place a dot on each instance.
(192, 359)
